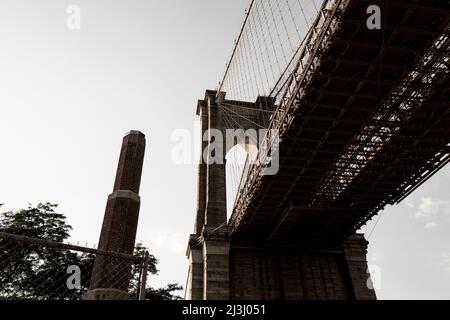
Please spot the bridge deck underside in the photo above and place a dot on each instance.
(356, 77)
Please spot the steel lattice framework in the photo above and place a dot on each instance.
(363, 117)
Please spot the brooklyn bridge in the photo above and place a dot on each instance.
(353, 96)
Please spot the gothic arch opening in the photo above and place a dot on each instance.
(238, 158)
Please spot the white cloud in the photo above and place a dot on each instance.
(409, 203)
(429, 208)
(430, 225)
(432, 211)
(172, 241)
(445, 261)
(447, 171)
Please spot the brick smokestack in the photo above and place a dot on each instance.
(111, 275)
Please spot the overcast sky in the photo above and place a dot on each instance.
(67, 97)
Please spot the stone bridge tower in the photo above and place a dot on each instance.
(220, 269)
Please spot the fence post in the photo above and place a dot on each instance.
(143, 278)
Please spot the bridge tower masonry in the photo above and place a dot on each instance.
(221, 268)
(209, 247)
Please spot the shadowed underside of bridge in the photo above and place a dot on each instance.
(363, 120)
(369, 124)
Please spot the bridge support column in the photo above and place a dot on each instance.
(355, 251)
(211, 228)
(216, 276)
(209, 265)
(195, 276)
(289, 273)
(216, 198)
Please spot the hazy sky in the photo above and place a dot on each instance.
(67, 97)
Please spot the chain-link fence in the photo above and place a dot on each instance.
(46, 270)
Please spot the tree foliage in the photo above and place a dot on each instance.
(39, 272)
(167, 293)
